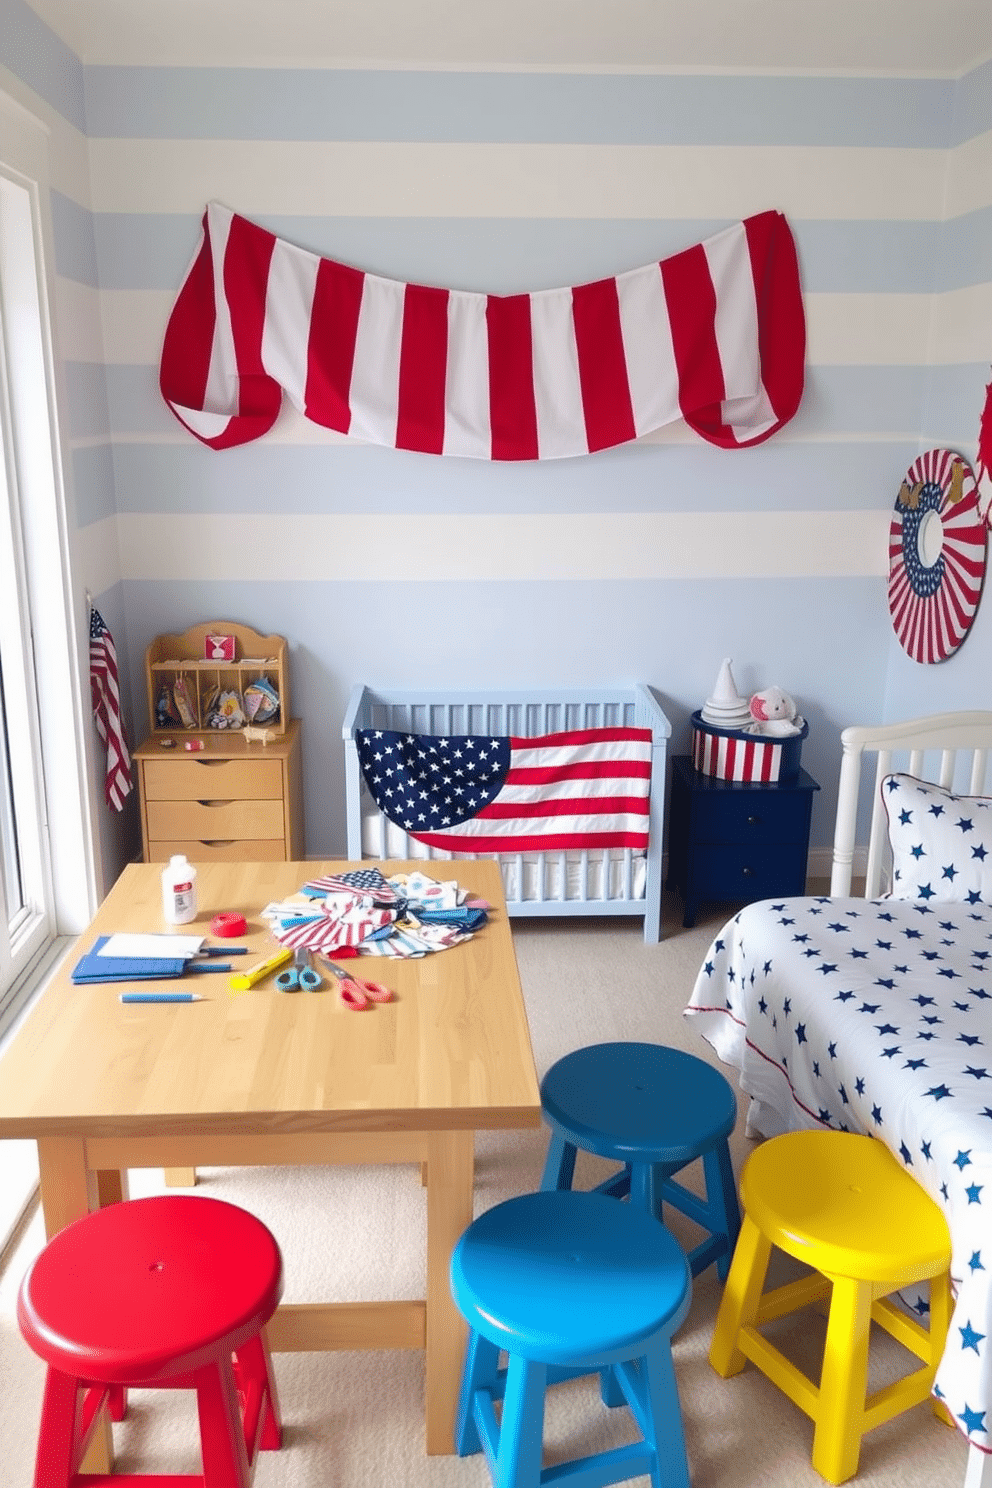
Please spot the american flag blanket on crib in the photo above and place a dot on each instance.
(714, 335)
(875, 1016)
(582, 788)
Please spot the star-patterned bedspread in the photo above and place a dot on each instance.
(875, 1016)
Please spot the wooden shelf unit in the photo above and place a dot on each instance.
(170, 657)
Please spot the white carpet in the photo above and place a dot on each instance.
(353, 1420)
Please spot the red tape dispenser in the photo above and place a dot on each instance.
(228, 925)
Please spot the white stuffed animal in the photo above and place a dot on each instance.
(774, 714)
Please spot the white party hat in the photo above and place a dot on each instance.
(726, 708)
(725, 694)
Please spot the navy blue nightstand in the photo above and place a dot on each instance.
(729, 840)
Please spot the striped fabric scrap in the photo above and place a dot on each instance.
(585, 788)
(714, 335)
(345, 917)
(106, 698)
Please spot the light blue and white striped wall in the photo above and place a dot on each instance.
(651, 562)
(960, 353)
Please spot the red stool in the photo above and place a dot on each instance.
(164, 1293)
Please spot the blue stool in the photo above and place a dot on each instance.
(570, 1284)
(655, 1110)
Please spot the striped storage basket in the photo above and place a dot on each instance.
(731, 754)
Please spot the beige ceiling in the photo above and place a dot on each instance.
(931, 37)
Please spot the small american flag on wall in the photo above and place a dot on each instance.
(584, 788)
(105, 692)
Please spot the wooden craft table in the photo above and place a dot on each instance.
(268, 1078)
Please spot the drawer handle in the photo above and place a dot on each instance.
(213, 803)
(754, 821)
(216, 841)
(748, 872)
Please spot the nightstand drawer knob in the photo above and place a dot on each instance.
(754, 821)
(748, 872)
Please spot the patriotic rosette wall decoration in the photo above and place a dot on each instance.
(937, 551)
(714, 335)
(584, 788)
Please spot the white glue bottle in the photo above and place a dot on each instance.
(179, 891)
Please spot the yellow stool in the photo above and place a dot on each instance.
(843, 1205)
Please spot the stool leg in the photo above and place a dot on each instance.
(721, 1194)
(253, 1369)
(481, 1372)
(940, 1314)
(645, 1186)
(222, 1441)
(739, 1304)
(610, 1390)
(521, 1433)
(662, 1424)
(940, 1318)
(843, 1382)
(59, 1431)
(559, 1165)
(117, 1402)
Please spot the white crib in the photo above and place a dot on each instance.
(596, 881)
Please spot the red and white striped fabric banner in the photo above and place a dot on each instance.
(727, 758)
(714, 335)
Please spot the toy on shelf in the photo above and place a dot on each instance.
(773, 714)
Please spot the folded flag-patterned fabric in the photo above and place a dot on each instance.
(368, 881)
(714, 335)
(584, 788)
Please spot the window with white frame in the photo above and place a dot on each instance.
(26, 902)
(47, 878)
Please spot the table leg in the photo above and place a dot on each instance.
(180, 1177)
(450, 1176)
(64, 1182)
(110, 1188)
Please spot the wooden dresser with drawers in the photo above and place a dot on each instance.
(229, 800)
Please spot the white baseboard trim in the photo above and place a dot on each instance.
(821, 860)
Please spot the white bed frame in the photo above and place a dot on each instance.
(948, 749)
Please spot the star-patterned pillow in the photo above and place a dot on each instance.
(941, 843)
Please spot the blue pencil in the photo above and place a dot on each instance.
(161, 997)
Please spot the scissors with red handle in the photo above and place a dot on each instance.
(357, 994)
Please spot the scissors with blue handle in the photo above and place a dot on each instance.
(301, 976)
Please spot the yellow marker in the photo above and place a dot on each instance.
(245, 979)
